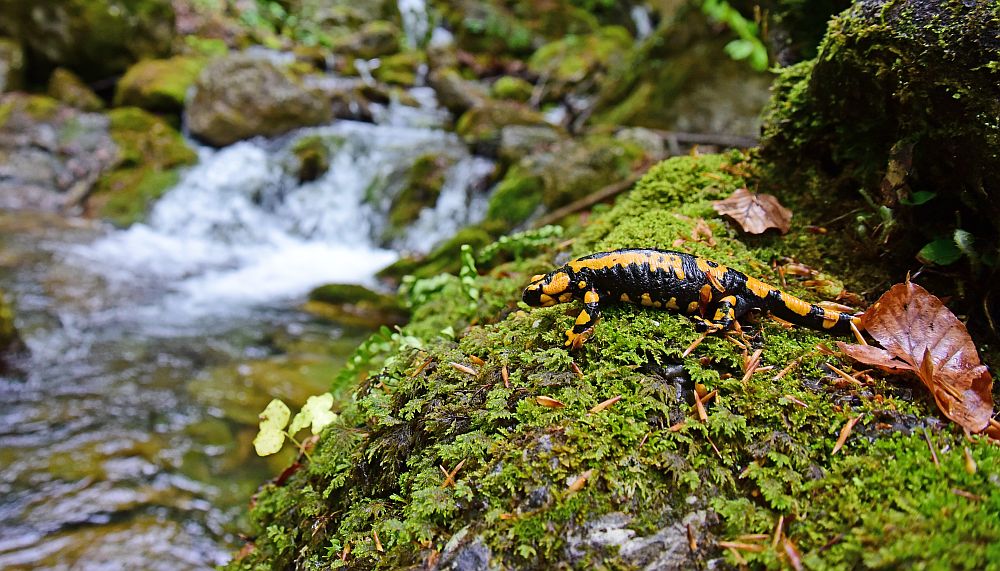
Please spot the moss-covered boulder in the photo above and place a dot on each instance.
(680, 78)
(355, 306)
(902, 104)
(566, 171)
(481, 126)
(65, 86)
(312, 156)
(11, 65)
(423, 186)
(443, 258)
(512, 87)
(158, 85)
(569, 61)
(94, 38)
(446, 452)
(456, 93)
(373, 39)
(51, 154)
(11, 345)
(400, 69)
(229, 104)
(150, 152)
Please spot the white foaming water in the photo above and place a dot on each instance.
(642, 21)
(239, 230)
(416, 22)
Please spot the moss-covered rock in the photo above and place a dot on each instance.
(65, 86)
(480, 127)
(536, 486)
(11, 345)
(229, 105)
(400, 69)
(513, 88)
(355, 306)
(424, 182)
(373, 39)
(566, 171)
(94, 38)
(795, 29)
(313, 157)
(901, 104)
(454, 92)
(444, 258)
(150, 152)
(680, 78)
(11, 65)
(158, 85)
(568, 61)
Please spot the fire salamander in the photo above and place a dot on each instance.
(714, 295)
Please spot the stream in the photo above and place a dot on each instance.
(126, 442)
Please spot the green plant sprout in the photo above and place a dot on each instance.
(315, 414)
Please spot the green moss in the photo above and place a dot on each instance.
(573, 59)
(480, 126)
(9, 338)
(159, 85)
(516, 198)
(424, 182)
(400, 69)
(66, 87)
(513, 88)
(149, 152)
(313, 155)
(760, 455)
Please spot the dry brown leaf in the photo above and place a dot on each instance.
(605, 404)
(549, 402)
(921, 335)
(755, 213)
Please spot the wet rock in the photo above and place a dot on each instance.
(150, 152)
(12, 348)
(517, 141)
(668, 548)
(455, 93)
(350, 102)
(11, 65)
(65, 86)
(158, 85)
(650, 141)
(51, 155)
(355, 305)
(423, 185)
(94, 38)
(480, 127)
(464, 553)
(313, 157)
(229, 105)
(372, 40)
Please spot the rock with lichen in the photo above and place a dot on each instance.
(11, 65)
(229, 105)
(480, 127)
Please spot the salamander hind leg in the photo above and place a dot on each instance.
(722, 319)
(577, 335)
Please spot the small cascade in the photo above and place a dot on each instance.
(240, 230)
(416, 21)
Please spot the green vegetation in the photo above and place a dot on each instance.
(527, 482)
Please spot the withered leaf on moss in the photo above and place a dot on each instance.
(755, 213)
(919, 334)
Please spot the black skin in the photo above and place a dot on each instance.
(714, 295)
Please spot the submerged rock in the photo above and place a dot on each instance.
(229, 104)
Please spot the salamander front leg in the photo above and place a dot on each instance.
(585, 322)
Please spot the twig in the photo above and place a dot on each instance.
(933, 452)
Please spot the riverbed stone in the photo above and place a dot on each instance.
(158, 85)
(456, 93)
(481, 126)
(94, 38)
(355, 306)
(567, 62)
(67, 87)
(229, 105)
(373, 39)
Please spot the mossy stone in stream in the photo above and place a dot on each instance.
(568, 61)
(159, 85)
(480, 127)
(313, 157)
(355, 305)
(400, 69)
(443, 258)
(149, 153)
(11, 65)
(537, 486)
(513, 88)
(423, 185)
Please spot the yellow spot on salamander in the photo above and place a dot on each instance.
(558, 283)
(795, 305)
(591, 297)
(581, 284)
(830, 318)
(657, 304)
(625, 298)
(536, 277)
(646, 300)
(566, 297)
(706, 293)
(758, 288)
(672, 304)
(693, 307)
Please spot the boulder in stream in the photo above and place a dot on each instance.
(230, 103)
(159, 85)
(67, 87)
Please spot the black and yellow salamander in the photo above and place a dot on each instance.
(714, 295)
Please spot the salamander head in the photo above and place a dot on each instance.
(546, 290)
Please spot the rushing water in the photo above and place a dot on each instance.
(126, 443)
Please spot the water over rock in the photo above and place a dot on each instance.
(229, 104)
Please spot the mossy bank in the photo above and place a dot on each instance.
(433, 464)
